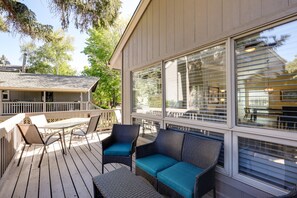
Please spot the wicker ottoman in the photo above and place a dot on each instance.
(122, 183)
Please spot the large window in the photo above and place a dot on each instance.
(147, 91)
(196, 86)
(266, 78)
(273, 163)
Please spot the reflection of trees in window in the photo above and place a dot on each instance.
(291, 67)
(147, 88)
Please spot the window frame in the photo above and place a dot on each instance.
(228, 68)
(265, 134)
(5, 92)
(149, 116)
(253, 181)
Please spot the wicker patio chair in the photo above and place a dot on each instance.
(92, 127)
(31, 135)
(120, 145)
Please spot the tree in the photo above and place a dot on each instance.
(291, 67)
(15, 16)
(4, 61)
(100, 45)
(51, 57)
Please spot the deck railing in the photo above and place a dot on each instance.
(10, 138)
(32, 107)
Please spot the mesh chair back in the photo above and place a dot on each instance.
(118, 116)
(92, 127)
(170, 143)
(39, 121)
(30, 133)
(200, 152)
(125, 133)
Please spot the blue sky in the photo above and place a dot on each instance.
(10, 43)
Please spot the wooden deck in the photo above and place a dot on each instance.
(59, 175)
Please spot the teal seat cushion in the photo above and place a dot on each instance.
(180, 177)
(118, 149)
(155, 163)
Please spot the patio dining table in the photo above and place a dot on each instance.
(64, 124)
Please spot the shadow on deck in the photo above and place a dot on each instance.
(59, 175)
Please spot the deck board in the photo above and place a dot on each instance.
(59, 175)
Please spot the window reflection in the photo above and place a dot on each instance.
(196, 86)
(147, 91)
(266, 78)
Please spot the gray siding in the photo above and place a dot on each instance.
(35, 96)
(67, 97)
(169, 27)
(29, 96)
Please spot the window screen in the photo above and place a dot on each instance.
(273, 163)
(196, 86)
(266, 65)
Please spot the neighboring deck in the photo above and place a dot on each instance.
(59, 175)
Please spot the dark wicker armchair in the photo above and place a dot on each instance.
(120, 145)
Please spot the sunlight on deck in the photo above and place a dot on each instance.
(59, 175)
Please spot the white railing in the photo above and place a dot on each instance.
(21, 107)
(32, 107)
(66, 106)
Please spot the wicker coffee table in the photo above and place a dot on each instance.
(122, 183)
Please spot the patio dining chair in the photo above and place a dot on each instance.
(120, 145)
(31, 135)
(39, 121)
(92, 127)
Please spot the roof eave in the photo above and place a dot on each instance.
(44, 89)
(129, 30)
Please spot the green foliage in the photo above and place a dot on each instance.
(291, 67)
(4, 61)
(51, 57)
(100, 45)
(15, 16)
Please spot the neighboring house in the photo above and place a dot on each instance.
(26, 92)
(219, 69)
(11, 68)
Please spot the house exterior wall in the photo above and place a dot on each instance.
(172, 27)
(30, 96)
(67, 97)
(169, 28)
(36, 96)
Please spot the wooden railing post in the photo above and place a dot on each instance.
(1, 103)
(44, 101)
(81, 101)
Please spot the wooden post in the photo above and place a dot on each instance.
(89, 99)
(44, 101)
(81, 101)
(1, 104)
